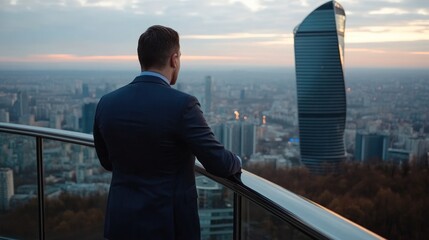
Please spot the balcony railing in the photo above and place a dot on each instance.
(291, 216)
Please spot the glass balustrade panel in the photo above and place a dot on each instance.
(259, 224)
(18, 187)
(215, 208)
(76, 189)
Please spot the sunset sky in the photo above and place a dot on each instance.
(99, 34)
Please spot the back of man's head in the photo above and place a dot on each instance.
(156, 45)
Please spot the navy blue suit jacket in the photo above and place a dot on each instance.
(148, 135)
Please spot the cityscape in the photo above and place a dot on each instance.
(252, 112)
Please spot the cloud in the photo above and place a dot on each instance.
(234, 36)
(212, 58)
(115, 4)
(420, 53)
(253, 5)
(68, 58)
(422, 11)
(387, 34)
(395, 11)
(370, 50)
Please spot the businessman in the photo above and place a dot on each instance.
(148, 135)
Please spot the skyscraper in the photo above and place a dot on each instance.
(88, 114)
(371, 146)
(232, 136)
(237, 136)
(248, 139)
(6, 188)
(319, 58)
(208, 94)
(20, 107)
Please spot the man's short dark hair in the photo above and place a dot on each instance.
(156, 45)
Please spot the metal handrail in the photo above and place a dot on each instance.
(311, 218)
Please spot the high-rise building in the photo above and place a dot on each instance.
(85, 90)
(88, 114)
(55, 120)
(215, 210)
(237, 136)
(232, 136)
(371, 146)
(4, 115)
(419, 151)
(248, 139)
(319, 58)
(6, 188)
(20, 107)
(208, 94)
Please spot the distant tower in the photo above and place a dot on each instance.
(55, 120)
(419, 151)
(319, 50)
(208, 94)
(237, 136)
(20, 107)
(371, 146)
(4, 115)
(88, 113)
(232, 137)
(248, 139)
(85, 90)
(6, 188)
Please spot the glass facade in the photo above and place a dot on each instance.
(319, 49)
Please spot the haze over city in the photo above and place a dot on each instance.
(99, 34)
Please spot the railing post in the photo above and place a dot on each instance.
(237, 216)
(40, 186)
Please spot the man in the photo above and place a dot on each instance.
(147, 134)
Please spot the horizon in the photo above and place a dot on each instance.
(203, 68)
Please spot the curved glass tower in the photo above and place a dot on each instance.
(319, 50)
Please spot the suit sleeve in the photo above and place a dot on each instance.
(100, 145)
(203, 144)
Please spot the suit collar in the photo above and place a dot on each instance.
(149, 79)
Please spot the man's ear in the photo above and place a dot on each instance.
(174, 60)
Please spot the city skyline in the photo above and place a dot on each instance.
(395, 104)
(100, 34)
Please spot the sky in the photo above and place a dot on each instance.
(103, 34)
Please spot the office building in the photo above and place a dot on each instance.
(371, 146)
(232, 136)
(88, 114)
(85, 90)
(6, 188)
(248, 139)
(237, 136)
(20, 106)
(4, 115)
(208, 94)
(398, 156)
(419, 151)
(215, 211)
(319, 59)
